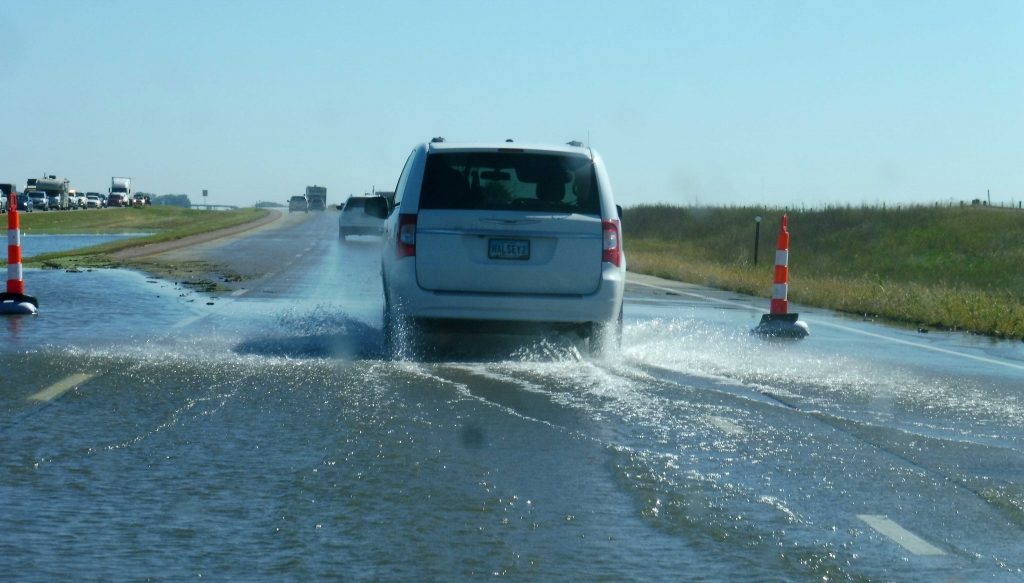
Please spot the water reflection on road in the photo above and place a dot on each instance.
(37, 244)
(91, 308)
(264, 437)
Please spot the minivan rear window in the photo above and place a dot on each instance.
(513, 181)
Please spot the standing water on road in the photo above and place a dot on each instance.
(265, 438)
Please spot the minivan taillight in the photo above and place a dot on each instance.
(406, 243)
(612, 249)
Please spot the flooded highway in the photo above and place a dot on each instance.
(151, 431)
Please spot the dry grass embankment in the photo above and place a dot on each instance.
(953, 268)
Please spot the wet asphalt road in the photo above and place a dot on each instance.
(159, 433)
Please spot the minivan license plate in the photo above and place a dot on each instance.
(508, 249)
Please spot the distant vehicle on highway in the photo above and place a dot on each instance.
(76, 200)
(5, 192)
(99, 196)
(37, 199)
(355, 221)
(56, 190)
(298, 203)
(121, 185)
(6, 188)
(116, 200)
(316, 198)
(504, 237)
(141, 200)
(93, 200)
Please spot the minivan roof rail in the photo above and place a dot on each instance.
(436, 140)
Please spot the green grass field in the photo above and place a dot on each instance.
(165, 223)
(955, 268)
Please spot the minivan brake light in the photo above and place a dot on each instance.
(406, 244)
(612, 243)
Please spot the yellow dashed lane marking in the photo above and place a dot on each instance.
(60, 387)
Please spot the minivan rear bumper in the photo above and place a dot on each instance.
(416, 302)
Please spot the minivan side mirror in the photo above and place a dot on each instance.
(618, 209)
(377, 207)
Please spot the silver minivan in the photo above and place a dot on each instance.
(502, 237)
(39, 200)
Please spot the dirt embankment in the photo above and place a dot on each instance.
(157, 248)
(189, 261)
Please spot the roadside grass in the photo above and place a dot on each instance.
(952, 268)
(163, 222)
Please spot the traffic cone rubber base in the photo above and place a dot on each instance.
(18, 304)
(786, 326)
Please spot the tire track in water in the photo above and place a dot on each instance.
(864, 432)
(996, 503)
(570, 396)
(599, 403)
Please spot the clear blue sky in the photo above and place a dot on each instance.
(718, 102)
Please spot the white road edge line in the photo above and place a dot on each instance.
(696, 295)
(900, 535)
(58, 388)
(841, 327)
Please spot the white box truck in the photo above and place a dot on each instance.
(121, 187)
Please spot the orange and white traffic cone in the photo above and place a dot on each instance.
(14, 300)
(780, 323)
